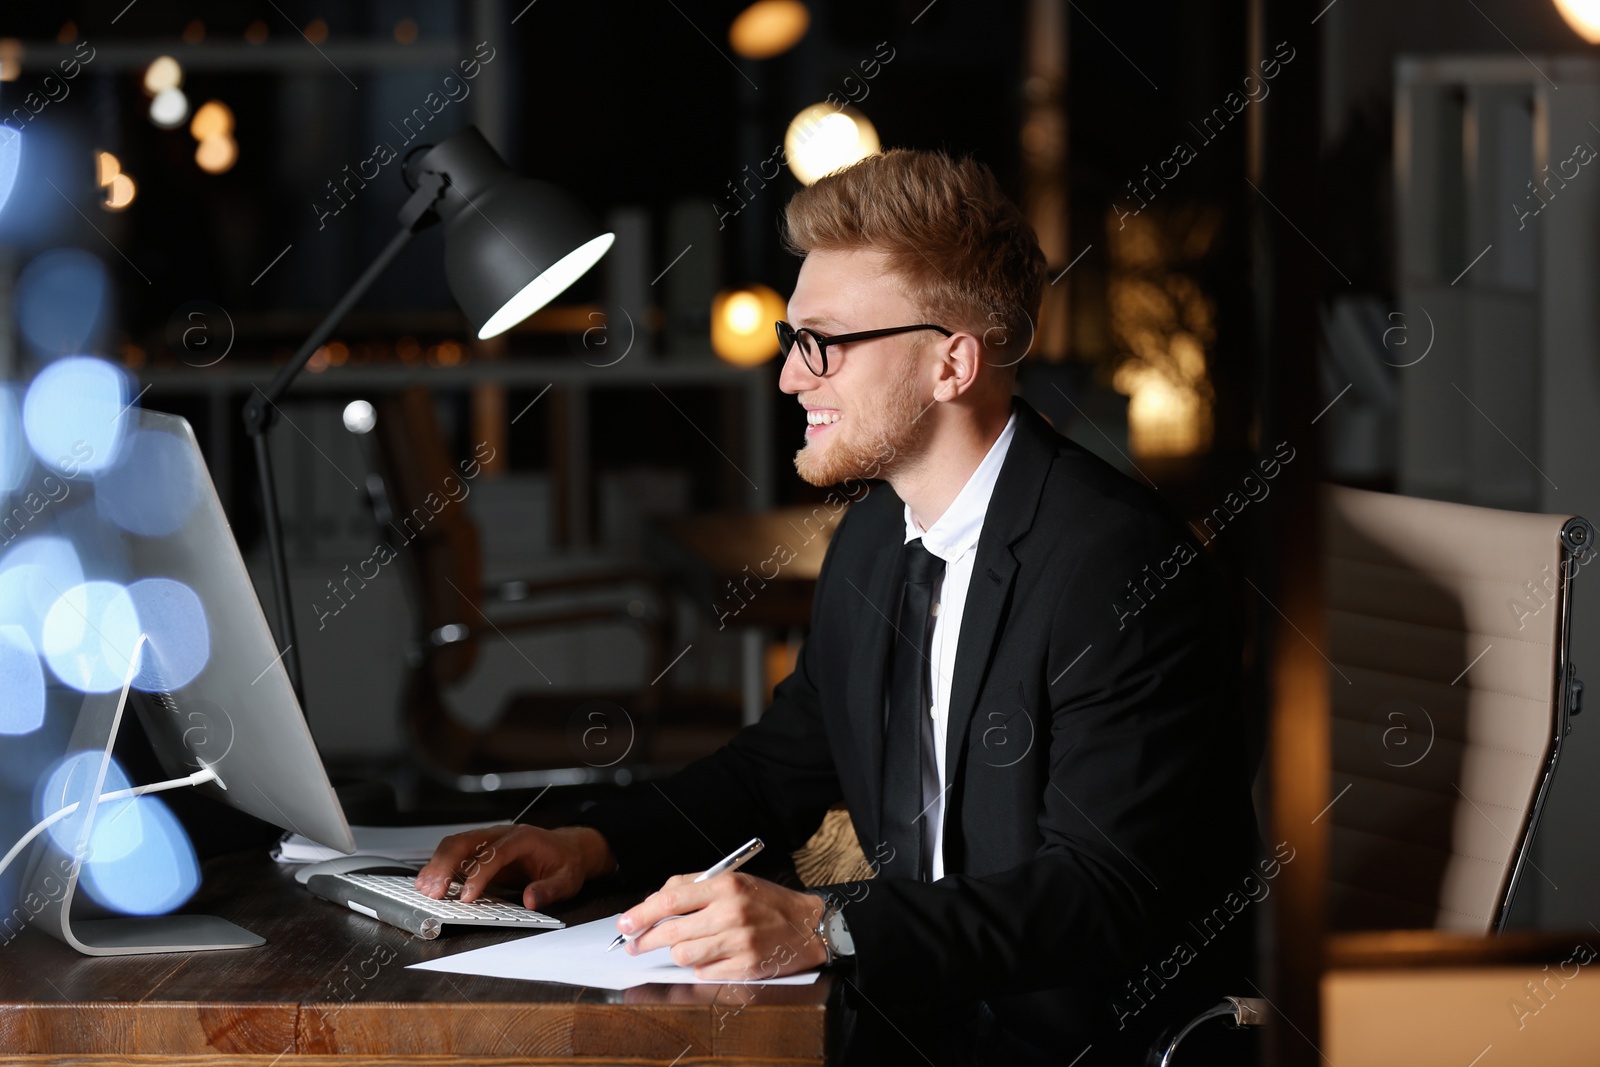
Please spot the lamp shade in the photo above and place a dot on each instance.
(511, 244)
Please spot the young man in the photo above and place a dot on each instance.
(1019, 679)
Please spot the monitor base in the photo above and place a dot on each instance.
(159, 933)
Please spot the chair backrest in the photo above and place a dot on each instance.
(1451, 692)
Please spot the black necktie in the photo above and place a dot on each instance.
(912, 790)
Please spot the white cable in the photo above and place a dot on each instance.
(203, 775)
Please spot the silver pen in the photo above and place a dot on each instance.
(731, 862)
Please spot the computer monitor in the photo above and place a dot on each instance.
(159, 565)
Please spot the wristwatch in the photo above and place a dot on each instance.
(833, 931)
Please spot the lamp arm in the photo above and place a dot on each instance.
(260, 411)
(290, 371)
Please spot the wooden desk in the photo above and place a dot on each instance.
(331, 986)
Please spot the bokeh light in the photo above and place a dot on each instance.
(180, 639)
(211, 119)
(120, 192)
(22, 682)
(106, 551)
(75, 414)
(153, 486)
(162, 73)
(359, 416)
(157, 876)
(169, 108)
(61, 297)
(823, 138)
(139, 860)
(117, 827)
(769, 28)
(33, 575)
(741, 324)
(10, 162)
(120, 188)
(1583, 16)
(15, 458)
(217, 154)
(89, 635)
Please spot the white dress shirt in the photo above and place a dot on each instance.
(954, 538)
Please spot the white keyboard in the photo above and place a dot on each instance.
(485, 911)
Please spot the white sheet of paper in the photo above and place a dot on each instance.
(395, 842)
(577, 956)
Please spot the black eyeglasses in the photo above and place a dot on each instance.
(814, 346)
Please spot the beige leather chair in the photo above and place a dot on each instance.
(1451, 693)
(1448, 628)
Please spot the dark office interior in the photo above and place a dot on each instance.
(1318, 275)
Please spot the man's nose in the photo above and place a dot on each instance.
(795, 377)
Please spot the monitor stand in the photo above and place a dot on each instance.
(96, 729)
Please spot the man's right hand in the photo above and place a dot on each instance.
(553, 863)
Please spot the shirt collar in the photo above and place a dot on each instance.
(956, 531)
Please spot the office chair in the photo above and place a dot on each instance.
(531, 744)
(1452, 690)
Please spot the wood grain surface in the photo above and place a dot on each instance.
(332, 986)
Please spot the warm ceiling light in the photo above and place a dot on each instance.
(169, 108)
(768, 28)
(195, 32)
(823, 138)
(120, 193)
(106, 167)
(217, 153)
(163, 73)
(213, 119)
(256, 32)
(1583, 16)
(741, 324)
(405, 31)
(316, 31)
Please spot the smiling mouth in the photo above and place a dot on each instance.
(818, 422)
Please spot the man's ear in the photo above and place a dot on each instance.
(961, 360)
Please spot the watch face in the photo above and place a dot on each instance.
(839, 935)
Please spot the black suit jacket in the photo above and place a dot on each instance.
(1098, 788)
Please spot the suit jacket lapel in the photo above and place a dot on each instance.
(865, 688)
(1011, 510)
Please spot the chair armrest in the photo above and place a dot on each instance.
(1248, 1011)
(1238, 1011)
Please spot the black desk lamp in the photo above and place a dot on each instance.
(511, 245)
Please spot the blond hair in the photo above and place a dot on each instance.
(963, 252)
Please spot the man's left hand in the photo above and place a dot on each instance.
(734, 927)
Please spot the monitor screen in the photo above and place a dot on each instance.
(131, 542)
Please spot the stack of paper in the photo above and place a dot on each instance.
(396, 842)
(577, 956)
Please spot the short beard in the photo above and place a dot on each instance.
(871, 448)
